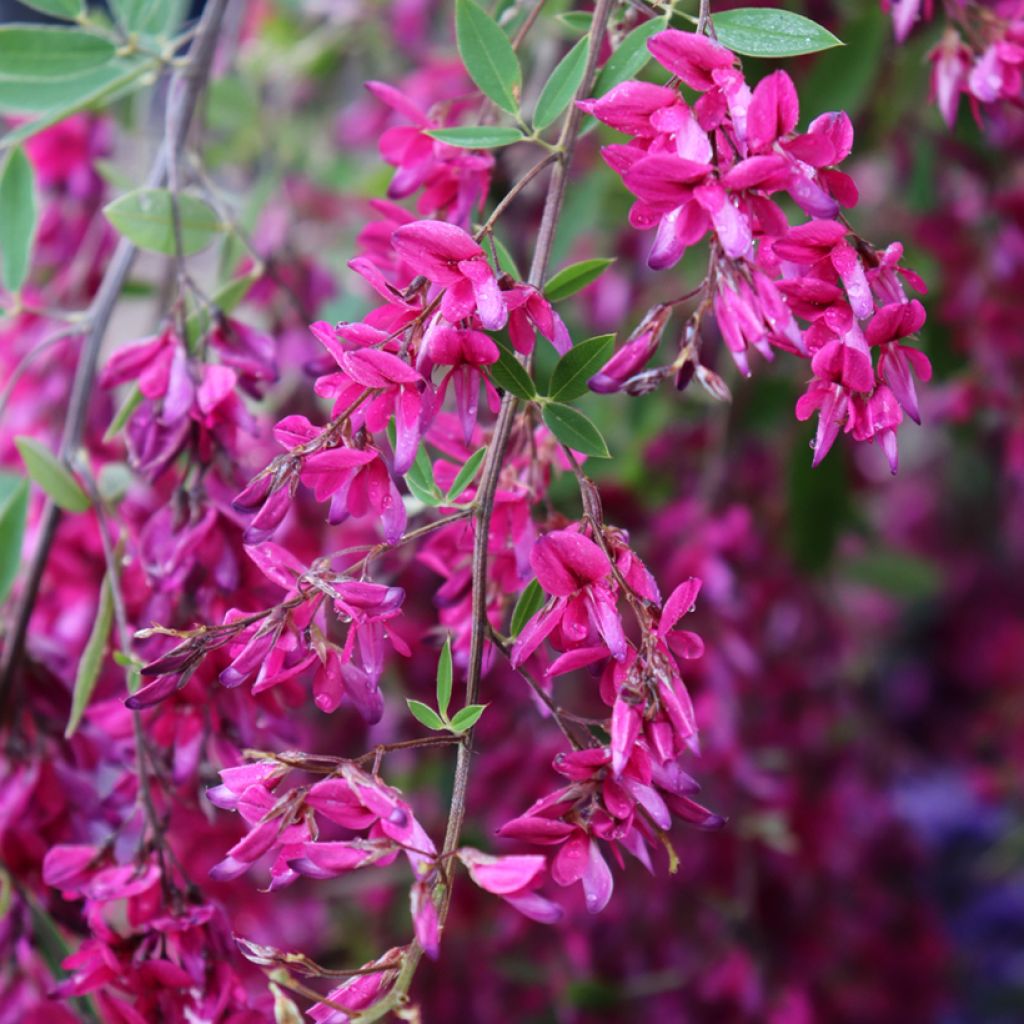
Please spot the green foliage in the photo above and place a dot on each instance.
(145, 218)
(18, 219)
(465, 719)
(465, 475)
(488, 55)
(68, 10)
(578, 365)
(40, 53)
(571, 279)
(531, 600)
(444, 677)
(13, 512)
(575, 430)
(630, 57)
(769, 32)
(51, 475)
(420, 479)
(478, 136)
(425, 715)
(148, 17)
(560, 88)
(509, 374)
(92, 658)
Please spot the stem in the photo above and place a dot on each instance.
(704, 24)
(484, 506)
(98, 317)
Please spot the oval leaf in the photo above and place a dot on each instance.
(425, 715)
(572, 278)
(18, 218)
(531, 600)
(92, 658)
(560, 88)
(13, 513)
(757, 32)
(630, 57)
(44, 468)
(578, 365)
(465, 475)
(149, 17)
(488, 55)
(467, 717)
(478, 136)
(45, 52)
(575, 430)
(144, 218)
(509, 374)
(444, 677)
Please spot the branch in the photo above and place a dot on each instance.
(98, 317)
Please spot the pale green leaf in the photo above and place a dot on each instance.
(466, 474)
(488, 55)
(768, 32)
(560, 88)
(42, 52)
(465, 719)
(629, 57)
(18, 219)
(571, 279)
(51, 475)
(444, 677)
(487, 136)
(531, 600)
(144, 217)
(92, 658)
(425, 715)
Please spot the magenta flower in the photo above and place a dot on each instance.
(898, 364)
(577, 575)
(448, 257)
(514, 879)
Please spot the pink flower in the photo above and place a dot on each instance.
(447, 256)
(467, 352)
(514, 879)
(577, 573)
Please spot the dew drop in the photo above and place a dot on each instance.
(812, 444)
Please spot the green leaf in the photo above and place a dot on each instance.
(113, 481)
(531, 600)
(578, 365)
(630, 56)
(465, 719)
(92, 658)
(488, 55)
(13, 513)
(485, 136)
(148, 17)
(560, 88)
(69, 10)
(45, 469)
(444, 677)
(896, 572)
(577, 21)
(571, 279)
(18, 219)
(505, 261)
(93, 89)
(466, 474)
(420, 476)
(509, 374)
(762, 32)
(43, 52)
(425, 715)
(226, 299)
(144, 218)
(131, 402)
(575, 430)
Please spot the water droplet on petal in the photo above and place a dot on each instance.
(812, 444)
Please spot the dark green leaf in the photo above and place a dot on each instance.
(92, 658)
(69, 10)
(444, 677)
(18, 218)
(578, 365)
(571, 279)
(896, 572)
(575, 430)
(630, 56)
(44, 468)
(13, 512)
(484, 136)
(767, 32)
(425, 715)
(131, 402)
(466, 474)
(560, 88)
(531, 600)
(508, 373)
(488, 55)
(467, 717)
(44, 52)
(144, 218)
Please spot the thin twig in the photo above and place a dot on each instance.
(98, 318)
